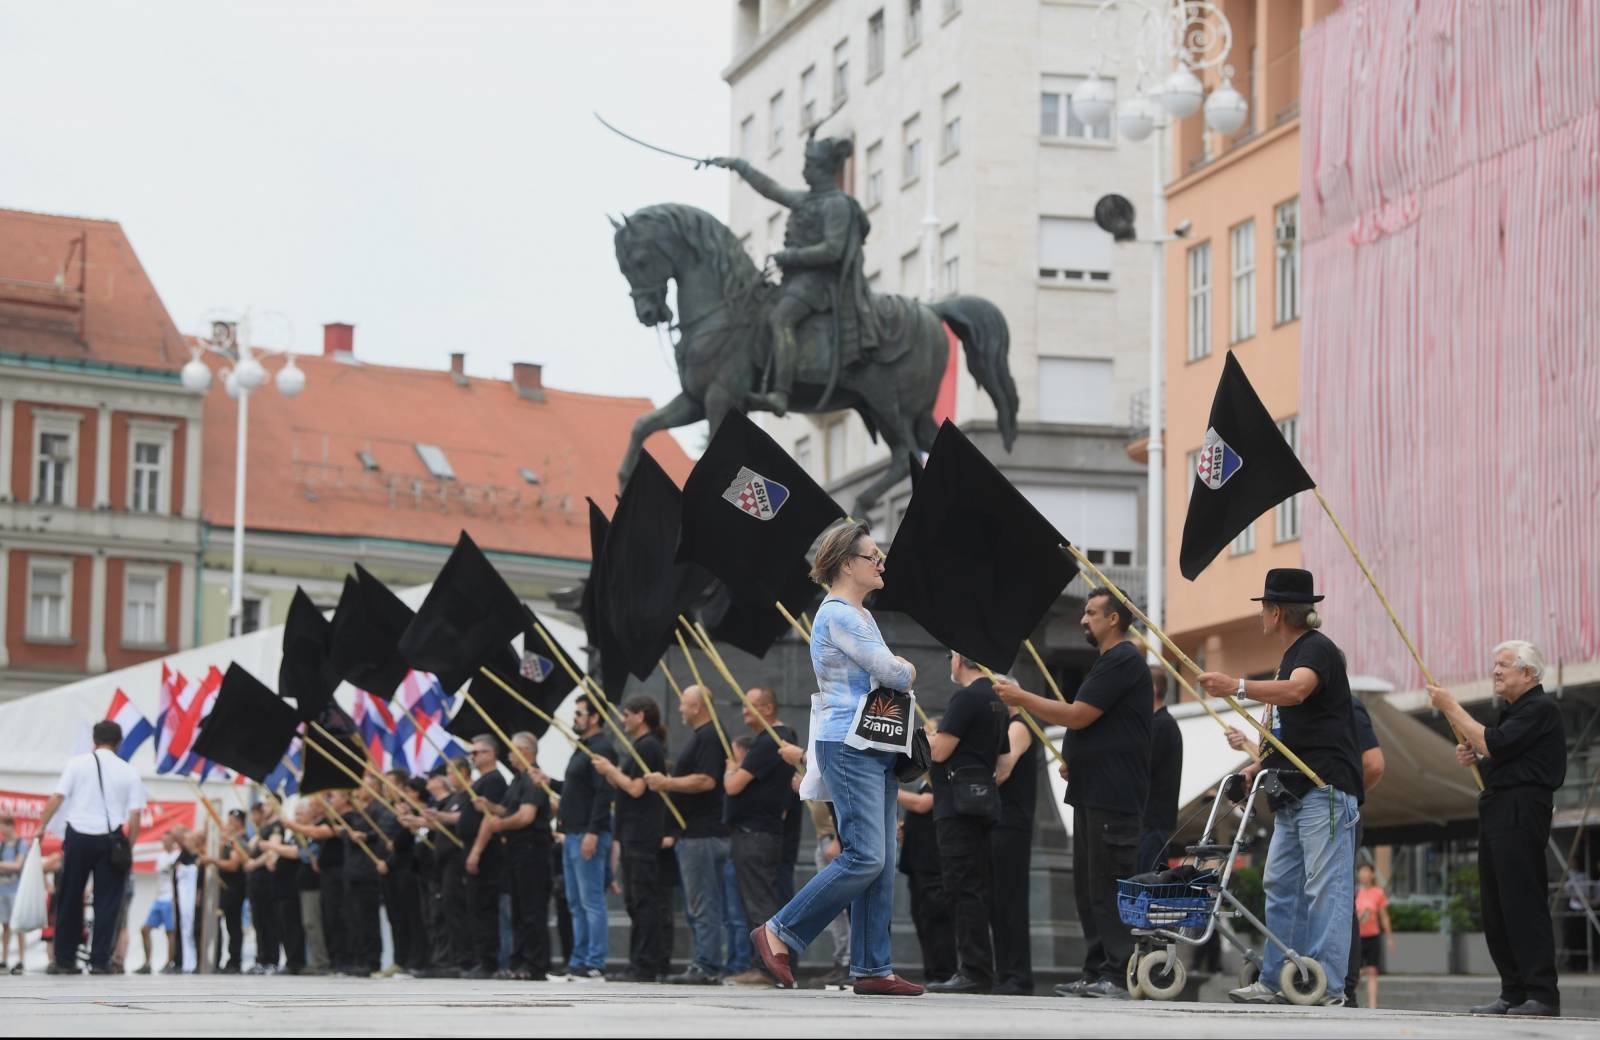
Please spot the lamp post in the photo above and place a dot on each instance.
(242, 374)
(1169, 42)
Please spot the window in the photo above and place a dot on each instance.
(949, 263)
(841, 72)
(911, 273)
(433, 457)
(50, 599)
(55, 471)
(1200, 301)
(775, 121)
(747, 137)
(836, 445)
(143, 608)
(1245, 543)
(913, 23)
(774, 232)
(1286, 518)
(951, 9)
(1073, 249)
(1242, 301)
(148, 468)
(369, 462)
(802, 452)
(254, 617)
(1286, 249)
(808, 98)
(1057, 121)
(1075, 390)
(911, 150)
(528, 476)
(874, 174)
(1104, 518)
(950, 134)
(875, 38)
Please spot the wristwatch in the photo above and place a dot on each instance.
(1241, 688)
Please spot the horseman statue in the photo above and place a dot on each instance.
(817, 341)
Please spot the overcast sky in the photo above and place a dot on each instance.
(431, 173)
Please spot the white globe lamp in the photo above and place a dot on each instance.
(1182, 94)
(1226, 109)
(196, 376)
(291, 380)
(1136, 118)
(1093, 100)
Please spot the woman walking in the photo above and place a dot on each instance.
(850, 659)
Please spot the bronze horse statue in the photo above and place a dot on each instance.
(722, 352)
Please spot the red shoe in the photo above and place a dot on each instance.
(887, 986)
(774, 964)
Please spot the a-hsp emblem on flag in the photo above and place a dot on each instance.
(755, 494)
(536, 667)
(1217, 462)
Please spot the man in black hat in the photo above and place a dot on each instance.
(1310, 872)
(1523, 759)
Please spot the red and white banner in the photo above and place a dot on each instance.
(158, 818)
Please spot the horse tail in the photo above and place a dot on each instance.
(986, 341)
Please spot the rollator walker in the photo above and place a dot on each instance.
(1164, 916)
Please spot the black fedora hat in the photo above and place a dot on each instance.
(1287, 585)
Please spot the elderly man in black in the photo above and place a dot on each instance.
(1523, 759)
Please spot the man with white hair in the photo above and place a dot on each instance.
(1523, 759)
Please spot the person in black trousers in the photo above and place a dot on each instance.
(480, 954)
(283, 874)
(1166, 770)
(758, 787)
(919, 862)
(329, 866)
(402, 889)
(231, 889)
(1011, 860)
(966, 804)
(1108, 749)
(258, 891)
(1523, 759)
(641, 820)
(364, 877)
(521, 820)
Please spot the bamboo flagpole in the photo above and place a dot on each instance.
(671, 681)
(594, 688)
(360, 783)
(704, 640)
(1266, 733)
(499, 731)
(555, 799)
(711, 704)
(804, 631)
(365, 763)
(1048, 678)
(283, 811)
(1148, 649)
(1031, 722)
(1394, 619)
(212, 812)
(336, 822)
(423, 725)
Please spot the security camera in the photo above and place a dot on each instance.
(1183, 229)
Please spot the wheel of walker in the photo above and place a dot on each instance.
(1132, 977)
(1249, 974)
(1162, 975)
(1309, 990)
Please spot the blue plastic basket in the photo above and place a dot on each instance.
(1165, 906)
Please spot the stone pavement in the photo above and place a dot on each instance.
(194, 1006)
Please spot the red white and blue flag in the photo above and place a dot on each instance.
(424, 709)
(136, 729)
(184, 705)
(375, 723)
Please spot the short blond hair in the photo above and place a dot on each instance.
(838, 545)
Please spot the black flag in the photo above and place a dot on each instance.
(365, 640)
(469, 614)
(305, 672)
(973, 561)
(749, 511)
(643, 588)
(1244, 468)
(320, 774)
(754, 627)
(535, 673)
(611, 668)
(249, 728)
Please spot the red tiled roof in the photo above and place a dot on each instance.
(305, 474)
(117, 318)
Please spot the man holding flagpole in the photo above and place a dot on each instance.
(1310, 872)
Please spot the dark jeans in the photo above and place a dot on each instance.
(1105, 849)
(1010, 857)
(230, 900)
(757, 856)
(334, 933)
(964, 862)
(1153, 851)
(645, 896)
(402, 899)
(84, 856)
(263, 918)
(482, 948)
(935, 924)
(558, 886)
(1352, 973)
(1513, 879)
(528, 866)
(291, 931)
(362, 929)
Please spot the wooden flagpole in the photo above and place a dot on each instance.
(711, 704)
(704, 640)
(1143, 643)
(1048, 678)
(365, 763)
(360, 783)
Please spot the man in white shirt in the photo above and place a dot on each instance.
(100, 794)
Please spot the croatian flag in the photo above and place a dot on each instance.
(424, 708)
(281, 780)
(190, 711)
(375, 723)
(136, 729)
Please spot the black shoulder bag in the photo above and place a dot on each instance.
(121, 855)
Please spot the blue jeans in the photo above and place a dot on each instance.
(586, 897)
(702, 867)
(862, 876)
(739, 951)
(1310, 881)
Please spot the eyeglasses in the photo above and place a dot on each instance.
(478, 751)
(876, 559)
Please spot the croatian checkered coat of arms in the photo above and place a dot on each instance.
(755, 494)
(1217, 462)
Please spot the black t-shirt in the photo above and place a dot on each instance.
(1020, 792)
(978, 717)
(1527, 745)
(491, 786)
(642, 821)
(309, 877)
(760, 806)
(524, 791)
(284, 872)
(1109, 759)
(1166, 770)
(1366, 736)
(1320, 729)
(358, 866)
(702, 813)
(585, 795)
(919, 850)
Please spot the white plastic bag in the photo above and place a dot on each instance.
(27, 907)
(812, 787)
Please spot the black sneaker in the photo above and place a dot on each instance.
(1105, 989)
(477, 973)
(62, 969)
(588, 975)
(1074, 988)
(693, 975)
(103, 969)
